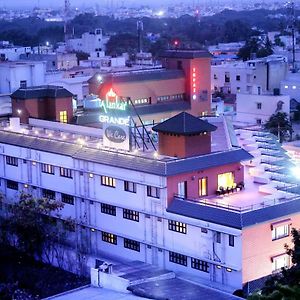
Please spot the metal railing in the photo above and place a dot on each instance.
(234, 208)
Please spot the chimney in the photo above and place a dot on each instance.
(184, 136)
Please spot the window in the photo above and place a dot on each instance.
(109, 238)
(129, 186)
(12, 161)
(65, 172)
(258, 105)
(200, 265)
(177, 226)
(108, 181)
(238, 77)
(132, 245)
(225, 180)
(63, 116)
(49, 169)
(258, 121)
(177, 258)
(152, 191)
(131, 215)
(238, 89)
(215, 76)
(23, 84)
(204, 230)
(13, 185)
(231, 240)
(182, 189)
(179, 65)
(108, 209)
(280, 232)
(48, 194)
(218, 237)
(203, 186)
(280, 261)
(68, 199)
(227, 77)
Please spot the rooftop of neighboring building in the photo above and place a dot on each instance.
(50, 91)
(185, 54)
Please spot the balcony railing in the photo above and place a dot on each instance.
(239, 209)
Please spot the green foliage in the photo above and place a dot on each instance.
(285, 285)
(32, 223)
(280, 125)
(254, 46)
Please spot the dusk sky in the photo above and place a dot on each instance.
(75, 2)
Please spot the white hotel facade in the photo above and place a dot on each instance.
(125, 206)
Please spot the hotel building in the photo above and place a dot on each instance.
(207, 201)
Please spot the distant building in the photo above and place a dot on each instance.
(52, 103)
(262, 75)
(54, 61)
(291, 86)
(182, 85)
(9, 52)
(90, 42)
(256, 109)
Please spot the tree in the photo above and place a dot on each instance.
(31, 224)
(280, 125)
(284, 285)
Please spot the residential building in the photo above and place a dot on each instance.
(256, 109)
(9, 52)
(54, 61)
(16, 74)
(261, 75)
(90, 42)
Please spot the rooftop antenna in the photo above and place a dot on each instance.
(291, 26)
(66, 19)
(140, 29)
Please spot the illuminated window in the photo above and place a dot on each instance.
(177, 226)
(49, 169)
(280, 232)
(63, 117)
(108, 181)
(280, 261)
(226, 180)
(203, 186)
(109, 238)
(64, 172)
(131, 215)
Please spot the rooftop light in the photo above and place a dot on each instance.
(19, 111)
(155, 154)
(296, 171)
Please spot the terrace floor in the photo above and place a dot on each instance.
(248, 199)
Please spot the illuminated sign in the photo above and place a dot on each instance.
(194, 84)
(116, 123)
(112, 102)
(114, 120)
